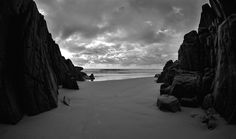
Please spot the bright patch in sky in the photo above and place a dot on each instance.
(66, 53)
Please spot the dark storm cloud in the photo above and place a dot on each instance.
(67, 17)
(155, 27)
(177, 14)
(82, 16)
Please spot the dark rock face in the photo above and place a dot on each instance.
(207, 17)
(225, 89)
(190, 52)
(223, 8)
(168, 73)
(211, 53)
(185, 85)
(31, 65)
(69, 82)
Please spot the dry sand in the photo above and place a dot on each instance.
(122, 109)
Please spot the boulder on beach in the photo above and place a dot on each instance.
(186, 85)
(169, 71)
(168, 103)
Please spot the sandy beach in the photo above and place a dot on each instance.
(121, 109)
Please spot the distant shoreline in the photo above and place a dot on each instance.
(119, 79)
(119, 74)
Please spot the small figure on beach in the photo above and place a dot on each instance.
(92, 77)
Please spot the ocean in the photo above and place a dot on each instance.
(119, 74)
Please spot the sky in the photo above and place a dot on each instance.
(120, 33)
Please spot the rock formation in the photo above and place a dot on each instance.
(31, 64)
(209, 58)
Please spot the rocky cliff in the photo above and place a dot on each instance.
(31, 64)
(207, 62)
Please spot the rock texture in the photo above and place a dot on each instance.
(169, 71)
(190, 52)
(168, 103)
(31, 64)
(211, 53)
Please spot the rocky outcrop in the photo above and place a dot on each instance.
(190, 53)
(31, 65)
(225, 79)
(169, 71)
(211, 53)
(185, 85)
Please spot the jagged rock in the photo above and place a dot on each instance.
(190, 52)
(80, 76)
(211, 53)
(165, 89)
(207, 83)
(32, 88)
(168, 73)
(207, 17)
(224, 89)
(204, 32)
(168, 64)
(56, 60)
(78, 69)
(168, 103)
(71, 67)
(223, 8)
(162, 76)
(186, 85)
(69, 82)
(31, 65)
(156, 75)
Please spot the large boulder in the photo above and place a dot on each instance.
(168, 103)
(186, 85)
(169, 71)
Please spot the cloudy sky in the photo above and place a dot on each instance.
(120, 33)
